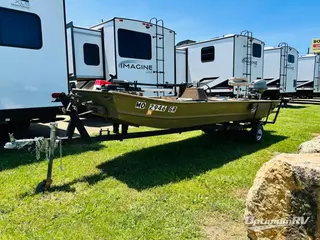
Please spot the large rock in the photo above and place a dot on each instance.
(312, 146)
(286, 191)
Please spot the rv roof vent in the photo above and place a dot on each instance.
(228, 35)
(185, 42)
(270, 47)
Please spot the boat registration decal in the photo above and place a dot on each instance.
(141, 105)
(172, 109)
(157, 107)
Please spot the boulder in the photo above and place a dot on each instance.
(312, 146)
(284, 201)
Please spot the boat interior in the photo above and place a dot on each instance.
(199, 94)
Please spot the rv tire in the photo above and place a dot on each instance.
(19, 126)
(4, 133)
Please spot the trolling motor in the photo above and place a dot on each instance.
(257, 88)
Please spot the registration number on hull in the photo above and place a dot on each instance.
(156, 107)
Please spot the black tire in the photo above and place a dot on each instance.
(4, 134)
(19, 126)
(256, 133)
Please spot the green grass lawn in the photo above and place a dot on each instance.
(166, 187)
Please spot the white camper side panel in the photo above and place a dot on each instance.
(34, 60)
(133, 68)
(70, 52)
(169, 57)
(274, 68)
(137, 60)
(241, 58)
(220, 66)
(88, 54)
(306, 69)
(292, 72)
(181, 66)
(109, 48)
(316, 87)
(271, 68)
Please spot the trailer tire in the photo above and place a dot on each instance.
(256, 132)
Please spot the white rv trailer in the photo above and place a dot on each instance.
(280, 70)
(34, 59)
(219, 59)
(308, 75)
(124, 49)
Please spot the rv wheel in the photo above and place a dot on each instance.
(256, 132)
(4, 133)
(19, 126)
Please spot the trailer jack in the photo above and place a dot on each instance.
(41, 144)
(51, 146)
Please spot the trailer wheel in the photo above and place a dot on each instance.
(256, 133)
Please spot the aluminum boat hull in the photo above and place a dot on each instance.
(167, 113)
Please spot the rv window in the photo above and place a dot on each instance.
(134, 44)
(20, 29)
(256, 50)
(207, 54)
(290, 58)
(91, 54)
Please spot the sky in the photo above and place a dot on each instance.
(295, 22)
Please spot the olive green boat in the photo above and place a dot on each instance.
(193, 108)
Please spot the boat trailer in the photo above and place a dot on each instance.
(49, 145)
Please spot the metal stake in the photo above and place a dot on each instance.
(52, 144)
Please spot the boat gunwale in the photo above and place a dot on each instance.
(230, 100)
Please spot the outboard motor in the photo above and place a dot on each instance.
(256, 88)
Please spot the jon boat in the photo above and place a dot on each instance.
(192, 108)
